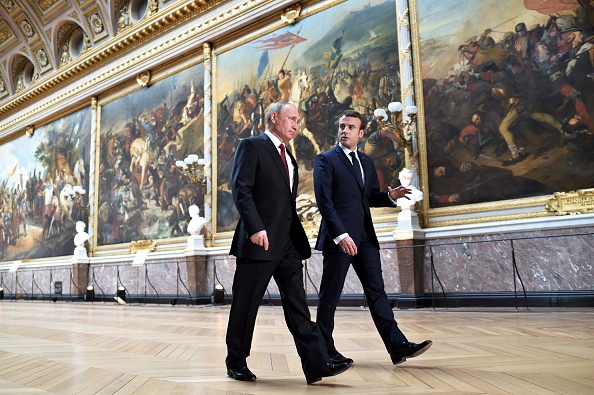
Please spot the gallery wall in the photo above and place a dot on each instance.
(501, 126)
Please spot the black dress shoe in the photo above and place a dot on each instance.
(241, 374)
(326, 370)
(339, 358)
(409, 350)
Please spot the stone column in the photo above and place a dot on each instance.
(80, 276)
(208, 151)
(408, 234)
(198, 276)
(410, 270)
(92, 190)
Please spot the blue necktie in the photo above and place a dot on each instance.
(356, 167)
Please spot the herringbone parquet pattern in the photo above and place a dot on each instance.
(82, 348)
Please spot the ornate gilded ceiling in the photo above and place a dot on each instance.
(39, 37)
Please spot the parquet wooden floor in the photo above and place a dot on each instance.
(101, 348)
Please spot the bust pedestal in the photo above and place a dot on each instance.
(195, 245)
(408, 235)
(408, 223)
(80, 255)
(80, 270)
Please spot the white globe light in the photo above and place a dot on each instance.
(411, 109)
(395, 106)
(380, 114)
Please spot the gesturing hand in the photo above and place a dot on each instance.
(261, 239)
(400, 192)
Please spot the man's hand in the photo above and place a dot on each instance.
(400, 192)
(454, 198)
(261, 239)
(348, 246)
(465, 166)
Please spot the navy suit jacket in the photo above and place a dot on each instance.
(265, 201)
(343, 202)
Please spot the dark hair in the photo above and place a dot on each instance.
(481, 114)
(356, 114)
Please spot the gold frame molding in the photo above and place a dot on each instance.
(141, 245)
(481, 212)
(574, 202)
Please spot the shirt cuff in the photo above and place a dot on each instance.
(340, 237)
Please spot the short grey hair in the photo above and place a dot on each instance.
(277, 107)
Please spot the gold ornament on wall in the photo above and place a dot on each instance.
(144, 78)
(574, 202)
(290, 14)
(30, 130)
(140, 245)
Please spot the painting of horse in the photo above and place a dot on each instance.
(143, 136)
(343, 57)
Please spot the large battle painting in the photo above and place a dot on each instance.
(509, 98)
(142, 195)
(36, 173)
(343, 58)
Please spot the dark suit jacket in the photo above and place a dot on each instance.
(343, 202)
(264, 200)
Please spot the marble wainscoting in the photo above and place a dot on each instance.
(169, 278)
(352, 284)
(225, 266)
(39, 282)
(547, 261)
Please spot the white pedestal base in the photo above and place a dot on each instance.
(408, 225)
(80, 255)
(195, 245)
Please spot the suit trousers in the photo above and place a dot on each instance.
(249, 285)
(367, 265)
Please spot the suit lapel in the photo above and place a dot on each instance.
(272, 150)
(348, 164)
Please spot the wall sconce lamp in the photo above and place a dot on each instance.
(76, 195)
(403, 129)
(193, 168)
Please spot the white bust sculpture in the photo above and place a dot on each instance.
(406, 176)
(81, 236)
(197, 222)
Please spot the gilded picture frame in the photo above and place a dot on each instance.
(337, 55)
(146, 125)
(505, 96)
(38, 170)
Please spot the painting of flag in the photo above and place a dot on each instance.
(342, 57)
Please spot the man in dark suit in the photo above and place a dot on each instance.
(346, 186)
(270, 241)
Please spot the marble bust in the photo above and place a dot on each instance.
(406, 176)
(81, 236)
(197, 222)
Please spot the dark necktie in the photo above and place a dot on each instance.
(356, 167)
(284, 158)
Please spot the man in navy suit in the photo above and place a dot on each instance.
(346, 186)
(270, 241)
